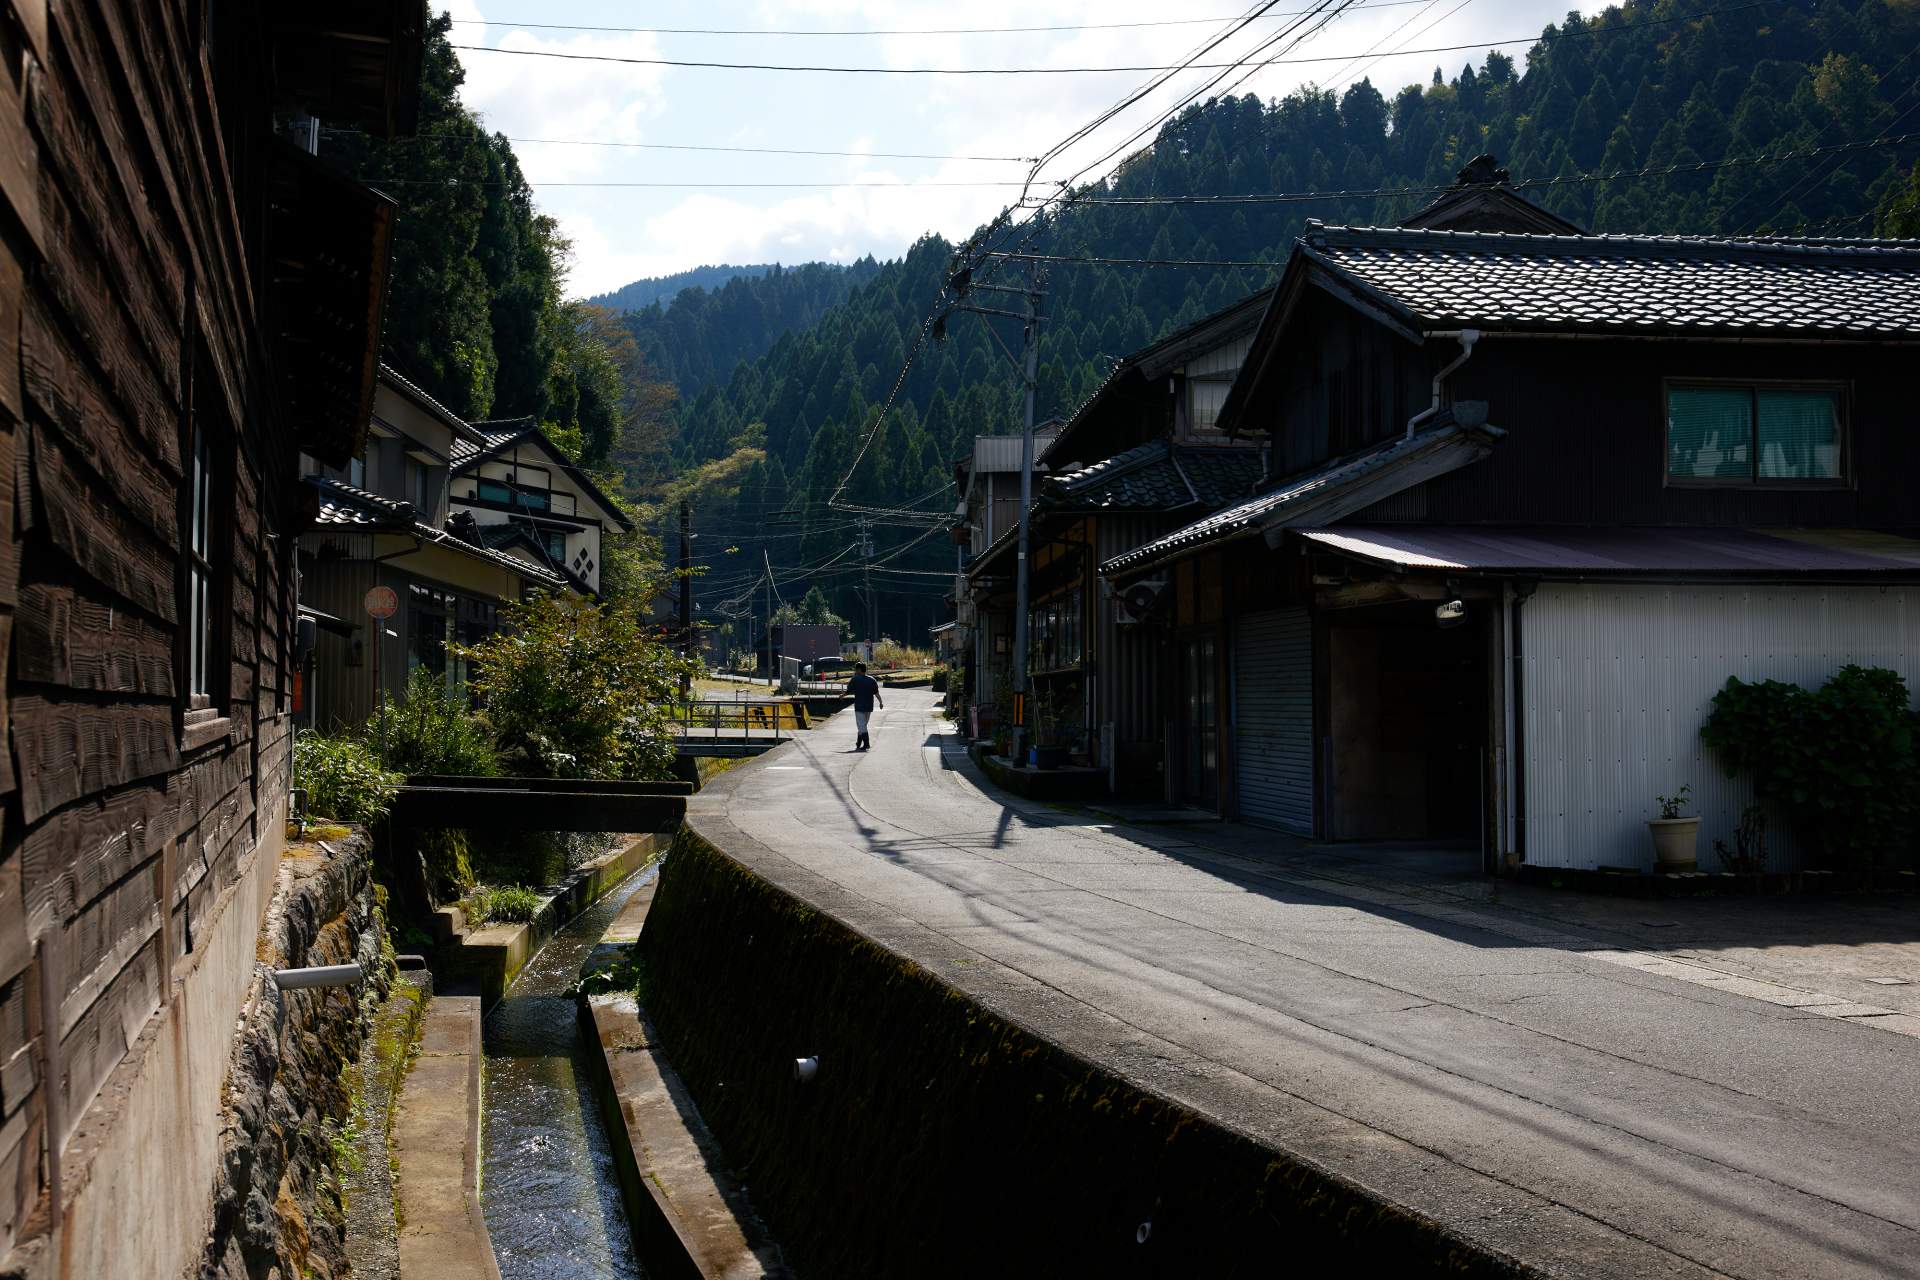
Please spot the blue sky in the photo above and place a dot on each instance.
(622, 234)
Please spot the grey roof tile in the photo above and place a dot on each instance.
(1646, 284)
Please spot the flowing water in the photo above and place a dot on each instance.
(551, 1193)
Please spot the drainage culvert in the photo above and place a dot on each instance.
(551, 1191)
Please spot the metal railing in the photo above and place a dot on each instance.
(744, 718)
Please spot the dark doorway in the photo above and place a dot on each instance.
(1200, 712)
(1407, 716)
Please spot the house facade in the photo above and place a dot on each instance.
(528, 499)
(188, 303)
(1535, 497)
(385, 518)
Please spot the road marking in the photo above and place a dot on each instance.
(1827, 1006)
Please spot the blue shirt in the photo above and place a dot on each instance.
(864, 689)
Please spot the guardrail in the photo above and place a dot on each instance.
(777, 718)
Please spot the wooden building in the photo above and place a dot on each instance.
(188, 302)
(1535, 497)
(527, 497)
(386, 518)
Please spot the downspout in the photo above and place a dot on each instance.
(1466, 338)
(1518, 595)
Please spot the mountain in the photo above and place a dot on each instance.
(644, 293)
(1633, 88)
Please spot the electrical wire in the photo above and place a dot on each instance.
(685, 146)
(1529, 39)
(899, 31)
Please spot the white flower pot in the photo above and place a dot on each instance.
(1674, 842)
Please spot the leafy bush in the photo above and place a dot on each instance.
(342, 779)
(430, 730)
(493, 904)
(578, 690)
(891, 655)
(1838, 765)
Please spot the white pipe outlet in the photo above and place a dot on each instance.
(320, 975)
(805, 1069)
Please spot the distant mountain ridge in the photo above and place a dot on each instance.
(641, 294)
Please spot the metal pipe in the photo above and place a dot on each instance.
(1466, 338)
(322, 975)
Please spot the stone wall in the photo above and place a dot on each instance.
(277, 1207)
(941, 1138)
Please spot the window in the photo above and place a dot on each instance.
(1054, 639)
(556, 544)
(200, 595)
(1770, 434)
(357, 473)
(495, 491)
(508, 494)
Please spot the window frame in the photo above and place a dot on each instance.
(204, 635)
(1842, 391)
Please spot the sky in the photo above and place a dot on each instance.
(625, 233)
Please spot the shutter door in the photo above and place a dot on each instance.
(1273, 725)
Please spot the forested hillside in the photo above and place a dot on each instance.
(644, 293)
(1634, 88)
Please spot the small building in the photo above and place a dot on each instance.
(529, 500)
(383, 520)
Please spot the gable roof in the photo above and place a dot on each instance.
(500, 434)
(1329, 494)
(1169, 352)
(1691, 286)
(414, 392)
(1481, 200)
(1160, 476)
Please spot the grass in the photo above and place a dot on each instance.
(491, 904)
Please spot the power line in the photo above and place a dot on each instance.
(683, 146)
(1531, 38)
(701, 186)
(898, 31)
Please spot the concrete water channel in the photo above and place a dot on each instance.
(551, 1192)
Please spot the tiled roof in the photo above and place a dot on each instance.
(461, 428)
(1637, 284)
(344, 505)
(497, 435)
(1327, 494)
(1159, 476)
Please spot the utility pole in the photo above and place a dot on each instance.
(771, 673)
(866, 573)
(1032, 338)
(961, 284)
(686, 596)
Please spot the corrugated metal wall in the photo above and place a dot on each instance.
(1273, 718)
(1619, 679)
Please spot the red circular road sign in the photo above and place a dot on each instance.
(381, 602)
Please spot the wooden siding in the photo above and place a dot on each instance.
(127, 314)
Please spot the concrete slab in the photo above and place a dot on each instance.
(435, 1142)
(1599, 1089)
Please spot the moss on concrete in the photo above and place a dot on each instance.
(939, 1138)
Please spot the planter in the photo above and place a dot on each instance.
(1674, 841)
(1047, 757)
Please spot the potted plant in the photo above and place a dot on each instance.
(1046, 753)
(1675, 837)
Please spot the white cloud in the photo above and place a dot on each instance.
(621, 233)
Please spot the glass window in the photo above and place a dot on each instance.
(1799, 435)
(357, 473)
(1744, 434)
(495, 491)
(556, 540)
(200, 613)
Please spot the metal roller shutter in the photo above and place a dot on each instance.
(1273, 725)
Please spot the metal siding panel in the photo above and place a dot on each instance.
(1619, 679)
(1273, 727)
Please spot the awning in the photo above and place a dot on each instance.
(1583, 552)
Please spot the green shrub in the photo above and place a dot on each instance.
(579, 690)
(430, 730)
(342, 779)
(492, 904)
(1838, 765)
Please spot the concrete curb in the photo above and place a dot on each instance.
(690, 1215)
(493, 955)
(444, 1236)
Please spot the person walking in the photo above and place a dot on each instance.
(866, 694)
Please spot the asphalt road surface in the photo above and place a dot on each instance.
(1587, 1116)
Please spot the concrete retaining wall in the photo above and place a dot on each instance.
(276, 1199)
(940, 1138)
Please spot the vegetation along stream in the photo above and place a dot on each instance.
(551, 1192)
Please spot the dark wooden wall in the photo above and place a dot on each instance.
(127, 311)
(1355, 383)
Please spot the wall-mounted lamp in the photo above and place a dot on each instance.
(1450, 613)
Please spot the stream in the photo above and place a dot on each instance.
(550, 1190)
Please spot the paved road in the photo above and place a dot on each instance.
(1547, 1096)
